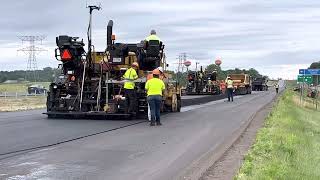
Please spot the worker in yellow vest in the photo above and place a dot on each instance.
(150, 76)
(129, 88)
(155, 87)
(230, 88)
(153, 36)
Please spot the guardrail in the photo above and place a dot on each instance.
(19, 94)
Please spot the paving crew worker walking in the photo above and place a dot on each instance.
(155, 87)
(230, 88)
(277, 87)
(129, 87)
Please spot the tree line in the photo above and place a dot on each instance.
(45, 75)
(48, 74)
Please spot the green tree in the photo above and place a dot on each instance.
(220, 74)
(254, 73)
(315, 65)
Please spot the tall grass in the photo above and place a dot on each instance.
(288, 147)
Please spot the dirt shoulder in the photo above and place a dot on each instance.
(228, 165)
(22, 103)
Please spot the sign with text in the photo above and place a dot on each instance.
(309, 71)
(307, 79)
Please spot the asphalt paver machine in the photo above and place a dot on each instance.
(90, 84)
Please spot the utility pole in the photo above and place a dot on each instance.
(31, 51)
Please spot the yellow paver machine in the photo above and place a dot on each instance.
(91, 85)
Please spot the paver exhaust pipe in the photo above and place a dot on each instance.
(109, 34)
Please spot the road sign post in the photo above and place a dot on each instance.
(306, 76)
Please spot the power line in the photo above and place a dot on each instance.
(32, 51)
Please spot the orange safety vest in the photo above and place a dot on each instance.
(222, 85)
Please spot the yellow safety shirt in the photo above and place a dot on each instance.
(229, 83)
(130, 75)
(153, 37)
(154, 86)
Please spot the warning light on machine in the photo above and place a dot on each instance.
(66, 55)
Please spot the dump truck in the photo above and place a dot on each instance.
(91, 85)
(202, 83)
(242, 83)
(260, 84)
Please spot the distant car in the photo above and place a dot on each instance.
(36, 89)
(296, 89)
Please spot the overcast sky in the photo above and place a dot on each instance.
(277, 37)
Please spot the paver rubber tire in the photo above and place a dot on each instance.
(179, 105)
(174, 103)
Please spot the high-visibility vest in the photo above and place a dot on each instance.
(130, 75)
(229, 83)
(154, 86)
(153, 37)
(222, 85)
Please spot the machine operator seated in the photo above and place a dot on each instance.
(150, 56)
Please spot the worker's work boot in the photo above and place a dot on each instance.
(152, 123)
(159, 123)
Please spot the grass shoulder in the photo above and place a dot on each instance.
(288, 147)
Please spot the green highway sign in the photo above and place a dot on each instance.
(307, 79)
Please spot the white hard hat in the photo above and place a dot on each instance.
(160, 69)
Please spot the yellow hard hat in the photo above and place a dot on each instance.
(135, 64)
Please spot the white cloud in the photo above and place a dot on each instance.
(272, 36)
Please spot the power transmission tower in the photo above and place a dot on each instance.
(32, 51)
(182, 59)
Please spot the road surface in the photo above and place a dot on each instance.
(133, 152)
